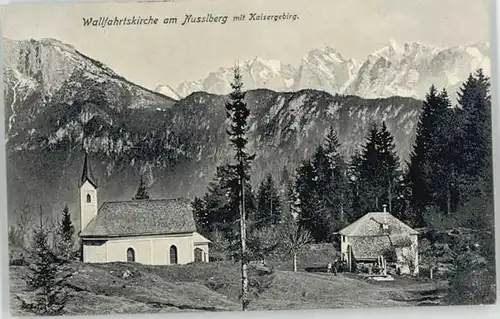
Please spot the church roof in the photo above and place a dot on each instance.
(371, 225)
(141, 217)
(87, 173)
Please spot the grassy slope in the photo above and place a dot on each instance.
(101, 289)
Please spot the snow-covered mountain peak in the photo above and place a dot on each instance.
(396, 48)
(401, 52)
(406, 69)
(257, 73)
(390, 51)
(258, 62)
(328, 53)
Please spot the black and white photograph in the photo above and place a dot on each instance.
(216, 156)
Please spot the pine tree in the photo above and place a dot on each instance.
(222, 199)
(142, 192)
(388, 162)
(66, 230)
(402, 203)
(476, 137)
(324, 219)
(310, 204)
(269, 204)
(201, 216)
(438, 164)
(356, 183)
(339, 188)
(444, 157)
(46, 278)
(421, 168)
(368, 175)
(237, 113)
(219, 208)
(375, 173)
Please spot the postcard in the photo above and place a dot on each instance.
(248, 155)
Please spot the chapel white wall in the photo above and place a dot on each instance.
(148, 250)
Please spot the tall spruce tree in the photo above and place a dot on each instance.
(201, 216)
(46, 277)
(358, 202)
(444, 157)
(388, 162)
(218, 210)
(368, 175)
(237, 113)
(66, 230)
(476, 138)
(269, 204)
(422, 159)
(339, 187)
(324, 219)
(375, 172)
(309, 202)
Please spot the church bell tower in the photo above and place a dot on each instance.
(88, 195)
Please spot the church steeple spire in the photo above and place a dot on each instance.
(87, 173)
(88, 195)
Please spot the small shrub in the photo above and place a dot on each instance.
(217, 285)
(259, 284)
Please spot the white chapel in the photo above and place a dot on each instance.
(153, 232)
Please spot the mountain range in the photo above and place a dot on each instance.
(407, 70)
(61, 103)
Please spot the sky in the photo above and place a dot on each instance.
(172, 53)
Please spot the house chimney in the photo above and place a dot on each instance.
(385, 208)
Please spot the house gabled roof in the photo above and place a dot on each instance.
(141, 217)
(370, 225)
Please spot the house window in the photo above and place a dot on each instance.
(89, 198)
(173, 255)
(198, 255)
(343, 239)
(130, 255)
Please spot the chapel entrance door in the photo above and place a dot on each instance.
(198, 255)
